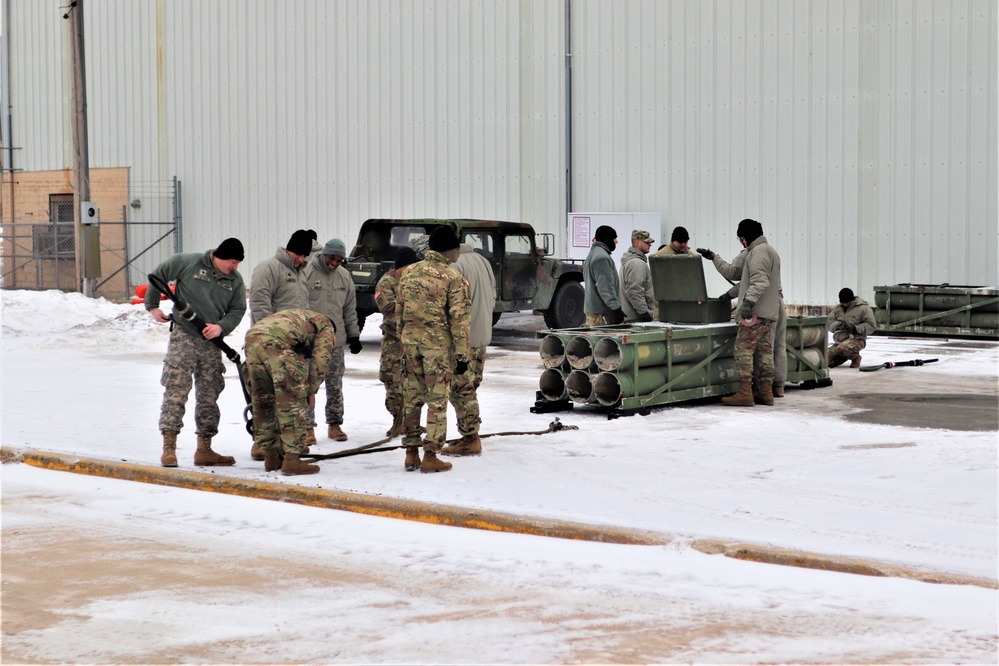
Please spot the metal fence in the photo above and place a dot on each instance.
(139, 227)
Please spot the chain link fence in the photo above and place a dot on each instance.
(139, 228)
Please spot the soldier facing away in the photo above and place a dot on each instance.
(212, 286)
(850, 323)
(391, 368)
(433, 316)
(478, 273)
(287, 354)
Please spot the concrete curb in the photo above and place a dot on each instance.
(443, 514)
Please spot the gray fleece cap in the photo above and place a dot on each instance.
(335, 248)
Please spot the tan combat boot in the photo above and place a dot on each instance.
(293, 466)
(310, 436)
(778, 391)
(743, 397)
(469, 445)
(412, 458)
(205, 457)
(766, 395)
(856, 362)
(334, 433)
(169, 457)
(272, 459)
(431, 463)
(256, 452)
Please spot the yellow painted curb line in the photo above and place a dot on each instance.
(373, 505)
(853, 565)
(495, 521)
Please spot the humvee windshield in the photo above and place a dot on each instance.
(379, 242)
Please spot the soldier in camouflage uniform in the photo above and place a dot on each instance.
(212, 286)
(286, 357)
(759, 300)
(391, 369)
(850, 323)
(433, 319)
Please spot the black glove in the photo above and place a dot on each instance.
(355, 345)
(645, 316)
(747, 310)
(707, 254)
(725, 297)
(617, 316)
(460, 367)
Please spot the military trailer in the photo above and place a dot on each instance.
(527, 277)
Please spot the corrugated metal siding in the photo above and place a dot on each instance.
(862, 134)
(277, 115)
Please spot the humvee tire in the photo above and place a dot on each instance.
(566, 310)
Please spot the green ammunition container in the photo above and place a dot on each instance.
(681, 293)
(937, 310)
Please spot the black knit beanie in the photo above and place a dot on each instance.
(680, 235)
(846, 295)
(405, 256)
(300, 243)
(605, 235)
(230, 248)
(443, 239)
(750, 230)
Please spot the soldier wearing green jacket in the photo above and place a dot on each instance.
(212, 286)
(331, 292)
(602, 295)
(638, 301)
(433, 318)
(286, 357)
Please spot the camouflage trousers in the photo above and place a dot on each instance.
(429, 374)
(599, 319)
(754, 347)
(196, 362)
(847, 350)
(279, 391)
(334, 391)
(392, 373)
(463, 393)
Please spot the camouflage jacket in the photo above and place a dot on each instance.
(385, 299)
(304, 333)
(217, 298)
(433, 310)
(854, 322)
(332, 293)
(277, 285)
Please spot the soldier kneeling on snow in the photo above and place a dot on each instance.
(850, 323)
(283, 383)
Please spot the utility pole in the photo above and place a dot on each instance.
(88, 244)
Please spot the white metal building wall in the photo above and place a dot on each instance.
(861, 133)
(285, 114)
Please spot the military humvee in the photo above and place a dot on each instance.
(527, 278)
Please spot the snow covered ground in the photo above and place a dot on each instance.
(82, 377)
